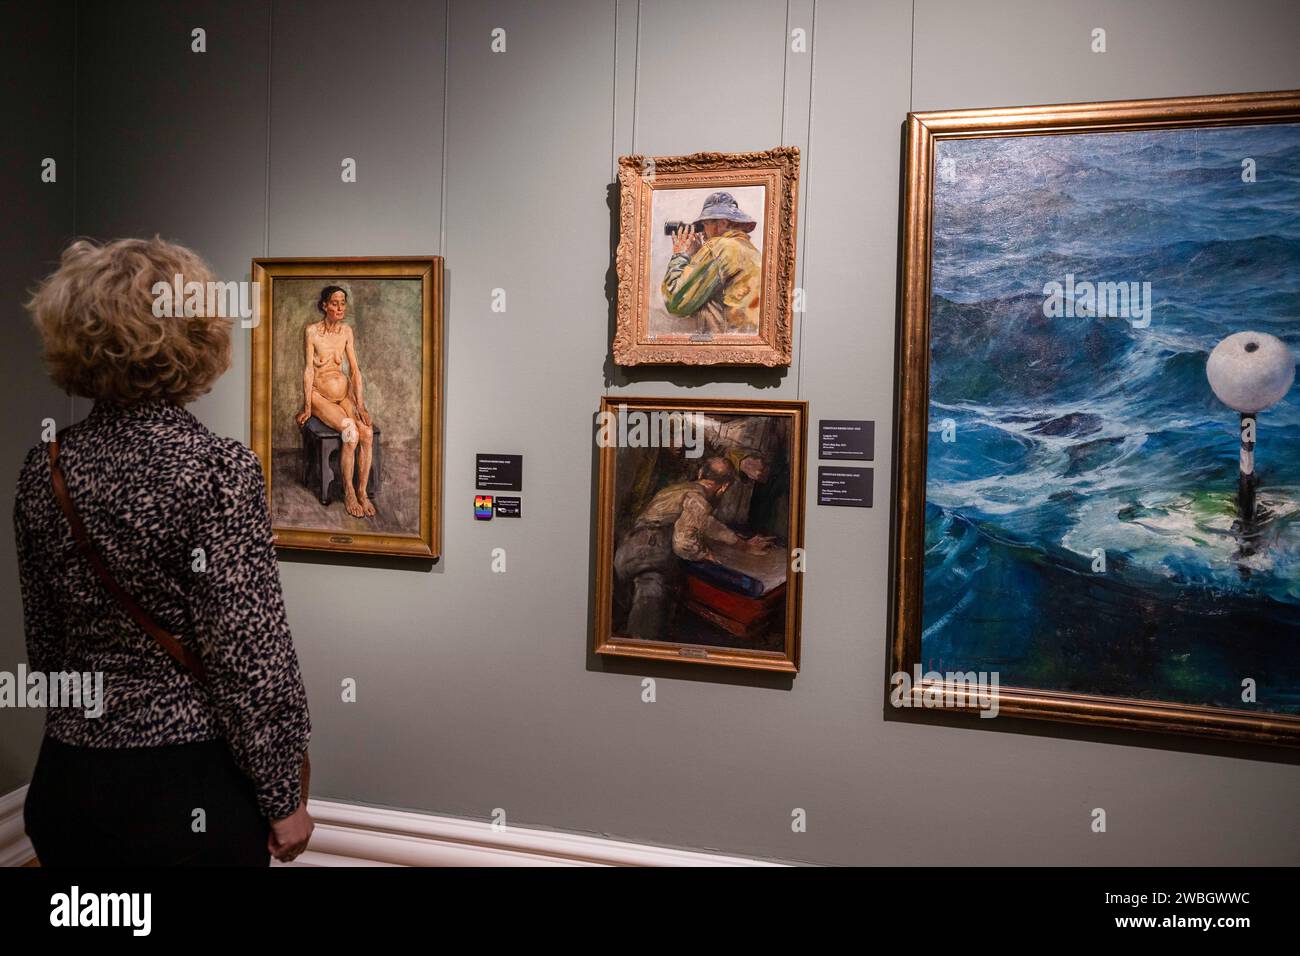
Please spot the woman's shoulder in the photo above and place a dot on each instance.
(187, 446)
(34, 469)
(230, 463)
(187, 465)
(187, 456)
(35, 458)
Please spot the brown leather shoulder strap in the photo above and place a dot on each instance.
(183, 655)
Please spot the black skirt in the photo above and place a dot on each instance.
(176, 805)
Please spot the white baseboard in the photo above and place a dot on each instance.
(349, 834)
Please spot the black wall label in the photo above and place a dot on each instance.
(505, 472)
(508, 507)
(847, 438)
(846, 487)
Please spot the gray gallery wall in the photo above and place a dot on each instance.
(36, 106)
(477, 690)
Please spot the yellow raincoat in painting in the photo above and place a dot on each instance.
(722, 284)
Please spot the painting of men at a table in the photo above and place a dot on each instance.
(702, 538)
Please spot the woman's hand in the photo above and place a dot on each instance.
(363, 415)
(303, 416)
(289, 836)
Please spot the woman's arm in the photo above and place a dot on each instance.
(308, 377)
(242, 633)
(42, 617)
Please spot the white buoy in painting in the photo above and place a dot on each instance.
(1249, 372)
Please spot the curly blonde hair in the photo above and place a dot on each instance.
(102, 339)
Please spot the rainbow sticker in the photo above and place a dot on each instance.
(482, 507)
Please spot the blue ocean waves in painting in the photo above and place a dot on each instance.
(1081, 524)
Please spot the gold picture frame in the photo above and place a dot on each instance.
(751, 617)
(754, 328)
(422, 538)
(924, 132)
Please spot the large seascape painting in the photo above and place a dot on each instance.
(1111, 496)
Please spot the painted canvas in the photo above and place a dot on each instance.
(707, 253)
(699, 529)
(705, 258)
(348, 395)
(1111, 490)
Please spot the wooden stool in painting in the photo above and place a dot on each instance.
(321, 471)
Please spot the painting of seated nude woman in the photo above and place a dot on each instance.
(346, 363)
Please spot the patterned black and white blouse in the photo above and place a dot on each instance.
(180, 517)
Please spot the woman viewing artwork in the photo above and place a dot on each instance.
(198, 698)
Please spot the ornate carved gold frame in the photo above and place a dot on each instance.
(428, 269)
(639, 176)
(609, 643)
(913, 369)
